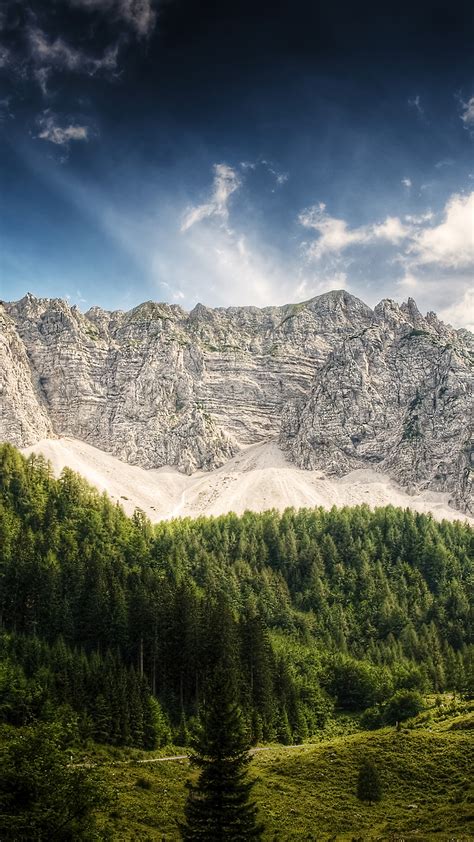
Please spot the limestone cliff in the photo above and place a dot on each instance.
(397, 396)
(342, 386)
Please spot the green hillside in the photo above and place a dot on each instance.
(309, 792)
(111, 631)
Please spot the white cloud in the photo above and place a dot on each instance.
(48, 55)
(5, 110)
(434, 254)
(467, 115)
(226, 181)
(50, 130)
(392, 230)
(448, 244)
(461, 313)
(310, 287)
(407, 182)
(59, 54)
(451, 243)
(409, 284)
(223, 266)
(235, 265)
(139, 15)
(419, 219)
(212, 263)
(42, 54)
(415, 102)
(279, 176)
(335, 235)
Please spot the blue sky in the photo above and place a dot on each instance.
(237, 153)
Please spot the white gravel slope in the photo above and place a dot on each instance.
(258, 478)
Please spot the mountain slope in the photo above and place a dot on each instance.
(342, 386)
(258, 478)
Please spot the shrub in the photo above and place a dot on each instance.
(369, 785)
(357, 684)
(143, 783)
(403, 705)
(371, 719)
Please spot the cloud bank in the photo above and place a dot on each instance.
(433, 252)
(467, 115)
(335, 235)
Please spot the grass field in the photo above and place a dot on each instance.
(309, 792)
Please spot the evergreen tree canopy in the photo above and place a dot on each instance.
(218, 807)
(105, 613)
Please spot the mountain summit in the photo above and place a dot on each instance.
(339, 385)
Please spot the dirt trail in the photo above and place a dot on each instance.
(252, 752)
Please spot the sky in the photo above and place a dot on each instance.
(237, 153)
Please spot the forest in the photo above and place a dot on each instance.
(117, 625)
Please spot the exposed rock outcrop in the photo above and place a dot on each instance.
(396, 395)
(23, 416)
(342, 386)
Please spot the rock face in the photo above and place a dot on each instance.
(23, 414)
(340, 385)
(395, 395)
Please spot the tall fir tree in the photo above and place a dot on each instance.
(219, 805)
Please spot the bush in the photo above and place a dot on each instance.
(357, 684)
(403, 705)
(410, 677)
(143, 783)
(369, 785)
(371, 719)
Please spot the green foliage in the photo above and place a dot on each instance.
(357, 685)
(372, 718)
(41, 796)
(104, 614)
(218, 806)
(404, 704)
(311, 790)
(107, 699)
(369, 785)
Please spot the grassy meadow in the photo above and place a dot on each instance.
(309, 792)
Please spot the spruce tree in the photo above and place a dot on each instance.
(219, 806)
(369, 786)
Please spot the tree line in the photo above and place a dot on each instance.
(124, 622)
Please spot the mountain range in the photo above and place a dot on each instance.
(331, 384)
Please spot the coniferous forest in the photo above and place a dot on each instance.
(120, 624)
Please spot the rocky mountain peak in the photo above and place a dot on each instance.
(341, 386)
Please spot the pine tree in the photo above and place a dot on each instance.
(218, 806)
(369, 786)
